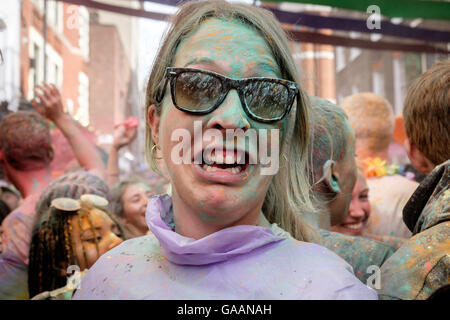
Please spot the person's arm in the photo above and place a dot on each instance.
(123, 135)
(51, 107)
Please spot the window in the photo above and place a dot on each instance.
(378, 83)
(69, 106)
(53, 60)
(57, 79)
(54, 13)
(398, 69)
(39, 4)
(83, 41)
(340, 58)
(354, 52)
(59, 17)
(82, 114)
(35, 52)
(36, 65)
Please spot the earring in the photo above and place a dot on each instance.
(152, 150)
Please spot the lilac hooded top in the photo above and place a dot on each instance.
(240, 262)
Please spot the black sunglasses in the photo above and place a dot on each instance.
(200, 92)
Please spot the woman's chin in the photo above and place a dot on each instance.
(220, 204)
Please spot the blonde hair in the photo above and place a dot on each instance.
(288, 194)
(372, 118)
(426, 112)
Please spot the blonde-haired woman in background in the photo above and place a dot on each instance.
(229, 231)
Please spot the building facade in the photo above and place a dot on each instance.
(115, 90)
(57, 54)
(10, 48)
(386, 73)
(90, 56)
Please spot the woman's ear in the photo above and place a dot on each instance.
(330, 176)
(153, 121)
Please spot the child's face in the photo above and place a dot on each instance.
(84, 236)
(134, 201)
(236, 51)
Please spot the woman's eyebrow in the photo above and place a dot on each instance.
(260, 69)
(133, 196)
(203, 60)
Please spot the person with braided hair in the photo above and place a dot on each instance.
(70, 186)
(25, 154)
(70, 235)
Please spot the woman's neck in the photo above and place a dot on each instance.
(189, 222)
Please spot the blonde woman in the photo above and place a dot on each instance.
(220, 236)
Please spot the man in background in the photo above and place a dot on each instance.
(372, 118)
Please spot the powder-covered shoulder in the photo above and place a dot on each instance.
(105, 279)
(317, 253)
(138, 245)
(326, 270)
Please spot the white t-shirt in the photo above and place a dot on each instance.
(388, 195)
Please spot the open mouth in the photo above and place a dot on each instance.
(230, 161)
(224, 166)
(354, 226)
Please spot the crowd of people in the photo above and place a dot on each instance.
(338, 220)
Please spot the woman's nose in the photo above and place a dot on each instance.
(230, 114)
(356, 211)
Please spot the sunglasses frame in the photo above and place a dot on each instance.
(65, 204)
(172, 74)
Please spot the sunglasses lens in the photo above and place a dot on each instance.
(197, 91)
(267, 100)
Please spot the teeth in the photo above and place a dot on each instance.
(218, 158)
(354, 226)
(231, 157)
(234, 170)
